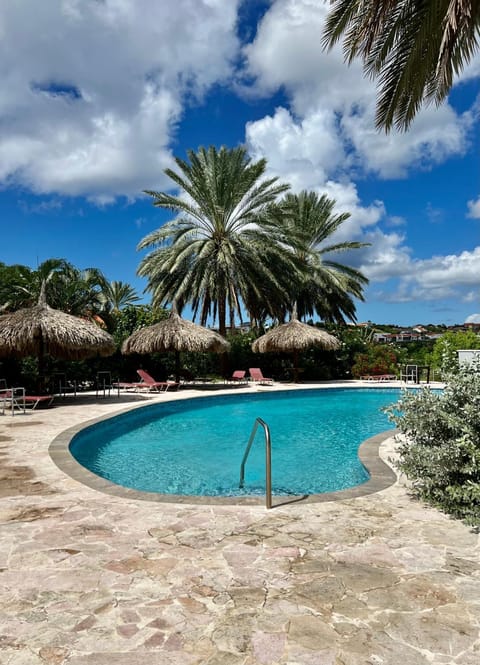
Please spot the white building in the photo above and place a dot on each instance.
(467, 356)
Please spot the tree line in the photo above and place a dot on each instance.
(239, 244)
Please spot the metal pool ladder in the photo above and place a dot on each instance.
(268, 460)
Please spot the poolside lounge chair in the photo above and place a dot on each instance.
(238, 376)
(34, 400)
(15, 398)
(150, 383)
(257, 377)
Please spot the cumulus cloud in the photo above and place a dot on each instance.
(387, 256)
(91, 109)
(437, 278)
(287, 54)
(473, 318)
(474, 209)
(305, 152)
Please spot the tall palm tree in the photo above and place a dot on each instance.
(215, 254)
(304, 223)
(414, 48)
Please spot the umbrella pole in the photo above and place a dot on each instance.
(295, 366)
(177, 366)
(41, 367)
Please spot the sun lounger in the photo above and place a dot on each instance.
(237, 377)
(34, 400)
(256, 376)
(138, 386)
(152, 385)
(15, 398)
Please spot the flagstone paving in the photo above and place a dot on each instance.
(88, 578)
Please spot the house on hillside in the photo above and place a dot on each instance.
(417, 334)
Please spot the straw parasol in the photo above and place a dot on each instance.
(295, 336)
(41, 330)
(175, 334)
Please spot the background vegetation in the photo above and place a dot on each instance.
(441, 450)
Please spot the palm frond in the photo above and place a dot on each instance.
(413, 48)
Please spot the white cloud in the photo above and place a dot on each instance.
(473, 318)
(304, 151)
(474, 209)
(435, 134)
(455, 269)
(287, 53)
(386, 258)
(471, 296)
(395, 220)
(437, 278)
(470, 71)
(92, 91)
(303, 154)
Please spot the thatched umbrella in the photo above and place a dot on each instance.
(175, 334)
(41, 330)
(295, 336)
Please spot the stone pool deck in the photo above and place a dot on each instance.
(88, 578)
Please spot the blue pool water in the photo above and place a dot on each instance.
(195, 446)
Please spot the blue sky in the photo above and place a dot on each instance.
(99, 95)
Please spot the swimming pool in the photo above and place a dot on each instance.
(194, 447)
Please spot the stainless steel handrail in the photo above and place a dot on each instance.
(268, 459)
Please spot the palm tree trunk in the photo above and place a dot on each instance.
(222, 329)
(222, 316)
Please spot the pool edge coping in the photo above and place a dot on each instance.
(381, 474)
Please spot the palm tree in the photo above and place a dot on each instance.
(77, 291)
(12, 297)
(215, 254)
(304, 223)
(116, 295)
(22, 285)
(67, 288)
(413, 48)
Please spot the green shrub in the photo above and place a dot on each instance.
(376, 359)
(444, 354)
(441, 451)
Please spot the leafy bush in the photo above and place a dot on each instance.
(377, 359)
(444, 354)
(441, 452)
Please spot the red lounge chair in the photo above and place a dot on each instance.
(238, 377)
(16, 399)
(257, 377)
(35, 400)
(150, 383)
